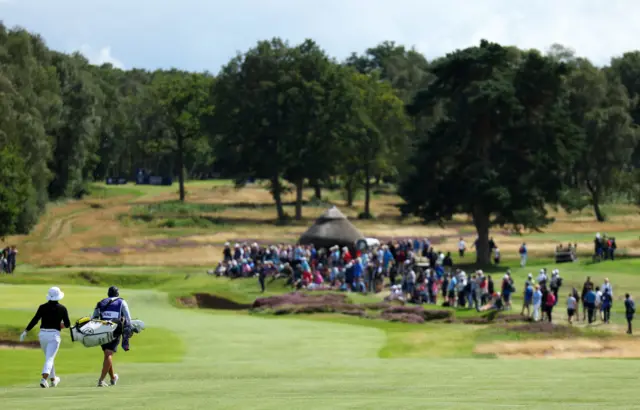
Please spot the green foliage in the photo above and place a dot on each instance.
(17, 197)
(517, 129)
(501, 149)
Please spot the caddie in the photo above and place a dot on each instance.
(115, 309)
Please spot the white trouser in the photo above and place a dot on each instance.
(523, 260)
(536, 312)
(50, 343)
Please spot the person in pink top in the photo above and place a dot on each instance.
(317, 278)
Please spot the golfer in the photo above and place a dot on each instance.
(114, 309)
(53, 317)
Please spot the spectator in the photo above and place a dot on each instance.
(447, 263)
(507, 289)
(607, 286)
(574, 292)
(226, 252)
(556, 283)
(496, 256)
(598, 304)
(411, 282)
(528, 298)
(630, 310)
(550, 303)
(612, 248)
(537, 302)
(523, 255)
(462, 247)
(588, 285)
(542, 278)
(572, 303)
(606, 305)
(451, 293)
(590, 303)
(445, 285)
(262, 275)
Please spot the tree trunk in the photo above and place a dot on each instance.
(367, 193)
(299, 188)
(181, 165)
(481, 222)
(349, 188)
(276, 192)
(595, 199)
(317, 189)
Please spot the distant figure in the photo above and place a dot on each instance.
(590, 303)
(572, 304)
(523, 255)
(462, 247)
(588, 285)
(550, 303)
(537, 302)
(630, 310)
(606, 306)
(528, 298)
(542, 278)
(496, 256)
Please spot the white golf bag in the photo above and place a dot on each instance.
(95, 332)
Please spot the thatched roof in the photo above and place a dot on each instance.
(331, 228)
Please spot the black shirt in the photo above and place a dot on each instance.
(51, 314)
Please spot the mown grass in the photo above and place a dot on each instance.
(316, 361)
(154, 345)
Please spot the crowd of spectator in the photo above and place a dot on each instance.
(8, 258)
(335, 268)
(604, 247)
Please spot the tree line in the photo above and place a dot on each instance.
(495, 132)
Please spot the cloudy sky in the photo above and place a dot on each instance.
(204, 34)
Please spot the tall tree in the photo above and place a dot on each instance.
(16, 191)
(501, 149)
(600, 109)
(75, 136)
(254, 99)
(376, 135)
(183, 101)
(318, 91)
(626, 69)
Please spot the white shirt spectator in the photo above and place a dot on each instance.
(542, 277)
(462, 245)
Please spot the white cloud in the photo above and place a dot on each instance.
(101, 56)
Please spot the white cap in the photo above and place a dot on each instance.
(55, 294)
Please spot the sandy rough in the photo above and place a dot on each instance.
(563, 349)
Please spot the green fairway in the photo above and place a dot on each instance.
(235, 360)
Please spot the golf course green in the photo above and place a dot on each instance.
(191, 359)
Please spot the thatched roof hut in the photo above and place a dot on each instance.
(331, 228)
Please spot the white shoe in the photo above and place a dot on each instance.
(102, 384)
(114, 381)
(44, 384)
(55, 382)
